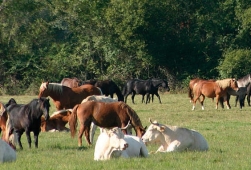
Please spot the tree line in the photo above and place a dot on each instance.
(116, 39)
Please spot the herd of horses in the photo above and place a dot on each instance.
(68, 95)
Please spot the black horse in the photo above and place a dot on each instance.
(144, 87)
(244, 85)
(156, 84)
(108, 87)
(27, 118)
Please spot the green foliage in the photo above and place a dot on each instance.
(236, 63)
(50, 40)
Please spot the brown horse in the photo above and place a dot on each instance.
(106, 115)
(3, 120)
(213, 89)
(191, 86)
(71, 82)
(57, 121)
(65, 97)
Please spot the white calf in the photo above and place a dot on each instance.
(173, 138)
(104, 150)
(6, 152)
(108, 141)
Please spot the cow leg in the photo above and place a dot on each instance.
(174, 146)
(19, 134)
(28, 137)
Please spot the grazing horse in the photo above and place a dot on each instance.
(108, 87)
(156, 84)
(106, 100)
(65, 97)
(106, 115)
(27, 118)
(57, 121)
(143, 87)
(213, 89)
(71, 82)
(244, 85)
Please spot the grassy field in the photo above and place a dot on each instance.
(228, 133)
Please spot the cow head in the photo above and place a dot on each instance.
(153, 133)
(116, 138)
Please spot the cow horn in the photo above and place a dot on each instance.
(157, 124)
(124, 128)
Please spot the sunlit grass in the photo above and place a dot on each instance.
(227, 132)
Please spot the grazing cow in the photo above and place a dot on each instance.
(104, 149)
(7, 153)
(173, 138)
(108, 141)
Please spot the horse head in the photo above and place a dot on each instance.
(43, 89)
(165, 85)
(45, 107)
(234, 85)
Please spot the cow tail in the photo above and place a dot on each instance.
(73, 121)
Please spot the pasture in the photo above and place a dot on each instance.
(228, 133)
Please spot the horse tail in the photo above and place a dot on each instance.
(73, 121)
(190, 93)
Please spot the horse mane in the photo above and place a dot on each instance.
(135, 120)
(56, 87)
(224, 83)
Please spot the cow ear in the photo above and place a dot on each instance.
(162, 128)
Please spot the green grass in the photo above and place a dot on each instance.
(227, 132)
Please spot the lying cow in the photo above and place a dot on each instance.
(173, 138)
(112, 143)
(57, 121)
(6, 152)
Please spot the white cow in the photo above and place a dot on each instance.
(104, 150)
(173, 138)
(108, 141)
(105, 99)
(6, 152)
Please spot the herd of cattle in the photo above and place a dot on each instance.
(114, 117)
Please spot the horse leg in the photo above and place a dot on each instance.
(36, 138)
(19, 134)
(158, 97)
(194, 101)
(236, 100)
(80, 134)
(126, 97)
(133, 95)
(87, 133)
(202, 102)
(143, 99)
(28, 137)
